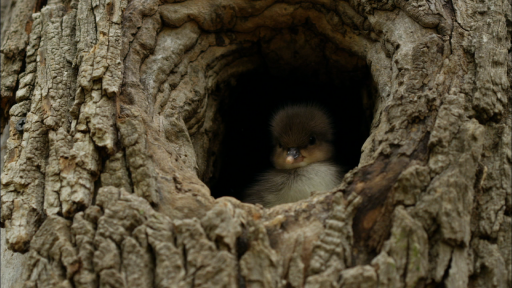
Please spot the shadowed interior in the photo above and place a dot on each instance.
(247, 108)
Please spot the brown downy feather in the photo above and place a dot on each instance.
(294, 125)
(308, 129)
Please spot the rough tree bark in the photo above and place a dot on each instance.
(103, 186)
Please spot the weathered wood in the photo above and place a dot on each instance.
(103, 185)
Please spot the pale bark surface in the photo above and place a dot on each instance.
(103, 186)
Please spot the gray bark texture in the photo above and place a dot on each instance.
(103, 186)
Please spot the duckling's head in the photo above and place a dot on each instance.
(302, 135)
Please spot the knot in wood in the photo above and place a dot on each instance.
(19, 126)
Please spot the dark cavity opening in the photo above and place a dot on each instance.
(40, 4)
(246, 147)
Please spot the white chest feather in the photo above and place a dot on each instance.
(284, 186)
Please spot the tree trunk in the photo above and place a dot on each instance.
(112, 111)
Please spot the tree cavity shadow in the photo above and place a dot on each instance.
(250, 104)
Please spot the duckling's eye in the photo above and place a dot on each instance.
(312, 140)
(279, 144)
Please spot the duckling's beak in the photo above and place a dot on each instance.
(293, 153)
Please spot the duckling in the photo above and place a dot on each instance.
(302, 151)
